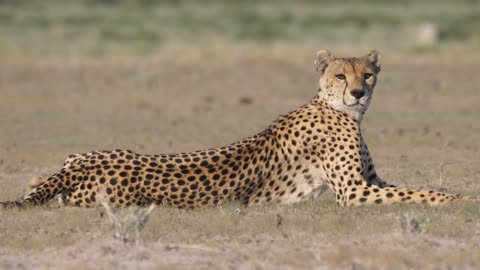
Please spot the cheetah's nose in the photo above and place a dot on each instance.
(357, 93)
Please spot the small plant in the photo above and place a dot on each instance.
(412, 223)
(127, 223)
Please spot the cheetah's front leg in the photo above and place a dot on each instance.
(369, 172)
(355, 182)
(367, 194)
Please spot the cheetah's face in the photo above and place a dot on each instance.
(346, 84)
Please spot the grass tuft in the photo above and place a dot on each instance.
(126, 224)
(413, 223)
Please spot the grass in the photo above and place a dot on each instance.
(187, 226)
(55, 27)
(252, 236)
(126, 224)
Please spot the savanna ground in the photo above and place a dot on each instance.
(178, 76)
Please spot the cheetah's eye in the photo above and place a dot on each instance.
(340, 76)
(367, 76)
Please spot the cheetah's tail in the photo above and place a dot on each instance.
(38, 195)
(470, 198)
(11, 204)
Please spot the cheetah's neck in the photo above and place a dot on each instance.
(322, 106)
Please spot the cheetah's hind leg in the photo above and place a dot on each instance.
(34, 183)
(38, 192)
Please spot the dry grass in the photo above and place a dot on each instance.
(126, 224)
(422, 130)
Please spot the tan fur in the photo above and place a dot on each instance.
(33, 183)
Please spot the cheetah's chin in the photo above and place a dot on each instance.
(357, 104)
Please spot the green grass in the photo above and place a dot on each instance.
(90, 27)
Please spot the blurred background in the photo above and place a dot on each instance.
(106, 27)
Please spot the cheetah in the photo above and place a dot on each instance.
(314, 147)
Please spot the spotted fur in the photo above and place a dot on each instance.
(316, 146)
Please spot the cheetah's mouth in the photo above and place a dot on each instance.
(356, 104)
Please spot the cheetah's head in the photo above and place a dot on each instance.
(346, 84)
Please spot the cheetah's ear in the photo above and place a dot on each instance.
(374, 58)
(322, 59)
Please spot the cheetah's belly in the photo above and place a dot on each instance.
(307, 186)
